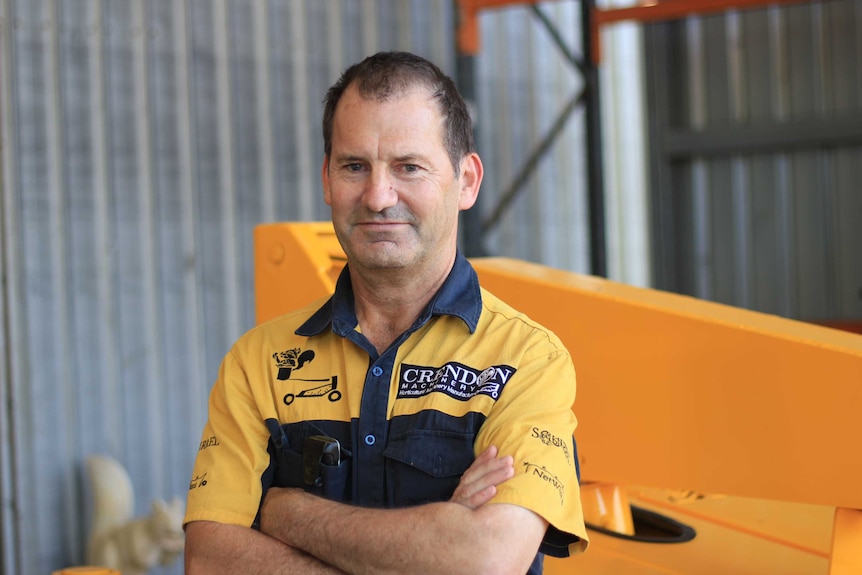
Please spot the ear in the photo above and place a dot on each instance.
(324, 177)
(470, 180)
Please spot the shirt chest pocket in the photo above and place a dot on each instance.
(424, 466)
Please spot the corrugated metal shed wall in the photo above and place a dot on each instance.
(142, 141)
(520, 70)
(758, 158)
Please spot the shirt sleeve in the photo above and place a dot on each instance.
(533, 422)
(232, 458)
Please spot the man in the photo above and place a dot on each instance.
(436, 431)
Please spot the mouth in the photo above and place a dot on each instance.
(380, 227)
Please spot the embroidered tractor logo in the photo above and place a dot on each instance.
(330, 390)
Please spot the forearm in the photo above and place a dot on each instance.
(435, 538)
(230, 549)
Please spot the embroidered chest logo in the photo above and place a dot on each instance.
(456, 380)
(291, 360)
(328, 389)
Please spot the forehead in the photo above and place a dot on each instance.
(409, 116)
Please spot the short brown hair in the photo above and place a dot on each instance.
(389, 74)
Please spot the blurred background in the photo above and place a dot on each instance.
(717, 155)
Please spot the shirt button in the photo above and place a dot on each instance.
(377, 371)
(370, 439)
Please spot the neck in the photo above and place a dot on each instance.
(388, 304)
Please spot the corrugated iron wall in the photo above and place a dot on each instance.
(141, 142)
(521, 69)
(757, 158)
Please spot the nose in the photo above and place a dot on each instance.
(380, 191)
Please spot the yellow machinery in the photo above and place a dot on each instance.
(742, 425)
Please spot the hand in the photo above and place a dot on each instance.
(479, 483)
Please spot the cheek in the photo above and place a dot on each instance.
(335, 197)
(342, 207)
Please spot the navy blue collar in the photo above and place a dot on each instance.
(459, 296)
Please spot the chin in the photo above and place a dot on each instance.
(393, 259)
(383, 255)
(384, 262)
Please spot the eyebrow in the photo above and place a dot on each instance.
(411, 159)
(405, 158)
(346, 158)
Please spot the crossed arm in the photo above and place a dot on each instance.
(301, 533)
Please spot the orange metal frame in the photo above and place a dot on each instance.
(646, 11)
(468, 22)
(656, 10)
(659, 10)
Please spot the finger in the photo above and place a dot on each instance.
(478, 484)
(486, 461)
(488, 472)
(477, 493)
(479, 498)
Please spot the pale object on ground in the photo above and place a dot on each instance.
(118, 541)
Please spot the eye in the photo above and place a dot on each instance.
(354, 167)
(411, 168)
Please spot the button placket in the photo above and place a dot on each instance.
(372, 431)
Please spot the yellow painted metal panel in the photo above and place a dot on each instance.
(682, 393)
(674, 393)
(294, 264)
(846, 556)
(757, 545)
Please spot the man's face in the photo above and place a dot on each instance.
(390, 183)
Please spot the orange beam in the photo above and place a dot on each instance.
(846, 325)
(673, 9)
(659, 10)
(647, 11)
(468, 21)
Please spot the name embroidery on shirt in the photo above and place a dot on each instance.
(552, 440)
(542, 472)
(455, 379)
